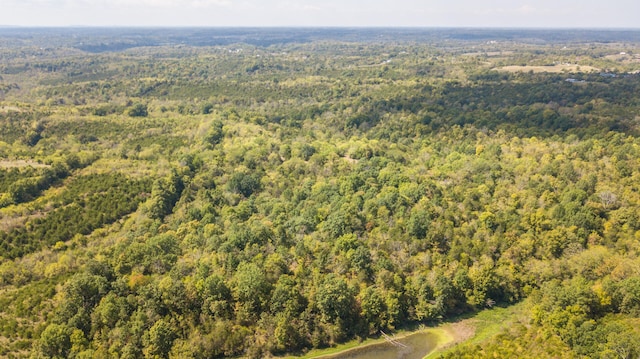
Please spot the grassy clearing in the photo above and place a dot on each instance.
(21, 163)
(550, 69)
(7, 109)
(478, 328)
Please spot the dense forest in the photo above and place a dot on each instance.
(257, 193)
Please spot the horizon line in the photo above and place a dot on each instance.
(460, 27)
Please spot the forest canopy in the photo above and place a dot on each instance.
(264, 195)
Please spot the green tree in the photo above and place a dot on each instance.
(138, 110)
(336, 303)
(215, 134)
(252, 287)
(244, 184)
(55, 341)
(159, 340)
(373, 309)
(164, 195)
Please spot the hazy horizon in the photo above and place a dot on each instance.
(543, 14)
(461, 27)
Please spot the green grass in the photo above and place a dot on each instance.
(486, 324)
(444, 338)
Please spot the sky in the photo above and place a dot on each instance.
(356, 13)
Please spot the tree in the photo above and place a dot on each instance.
(286, 297)
(164, 195)
(81, 294)
(336, 302)
(207, 108)
(418, 224)
(373, 309)
(217, 296)
(215, 134)
(159, 340)
(627, 296)
(138, 110)
(622, 342)
(243, 183)
(55, 341)
(252, 287)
